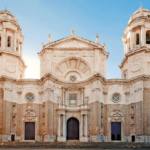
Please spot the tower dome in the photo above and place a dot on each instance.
(137, 32)
(6, 15)
(11, 40)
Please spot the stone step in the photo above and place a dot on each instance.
(74, 144)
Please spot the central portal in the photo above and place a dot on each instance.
(72, 129)
(116, 131)
(29, 130)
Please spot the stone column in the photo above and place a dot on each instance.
(143, 36)
(14, 42)
(62, 90)
(85, 125)
(62, 128)
(132, 40)
(82, 97)
(83, 128)
(3, 39)
(58, 126)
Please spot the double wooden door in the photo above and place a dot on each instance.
(29, 130)
(115, 131)
(72, 129)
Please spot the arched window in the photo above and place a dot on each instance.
(9, 41)
(137, 38)
(148, 37)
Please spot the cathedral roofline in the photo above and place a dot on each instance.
(53, 43)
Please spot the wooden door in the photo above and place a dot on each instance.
(116, 131)
(29, 130)
(72, 129)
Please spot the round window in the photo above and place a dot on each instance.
(73, 78)
(116, 97)
(29, 96)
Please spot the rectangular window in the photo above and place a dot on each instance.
(0, 41)
(9, 41)
(137, 39)
(125, 73)
(72, 98)
(148, 37)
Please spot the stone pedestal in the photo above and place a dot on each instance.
(61, 139)
(83, 139)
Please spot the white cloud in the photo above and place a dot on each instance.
(33, 67)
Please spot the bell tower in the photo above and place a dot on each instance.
(11, 39)
(136, 41)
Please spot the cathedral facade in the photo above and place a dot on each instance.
(73, 99)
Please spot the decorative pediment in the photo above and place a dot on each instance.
(71, 42)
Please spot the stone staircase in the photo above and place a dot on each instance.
(76, 144)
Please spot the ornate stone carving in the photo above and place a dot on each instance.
(116, 115)
(29, 114)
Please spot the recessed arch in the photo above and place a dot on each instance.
(73, 64)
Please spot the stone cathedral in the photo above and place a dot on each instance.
(73, 99)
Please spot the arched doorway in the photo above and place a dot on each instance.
(73, 129)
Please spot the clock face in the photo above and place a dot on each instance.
(29, 96)
(116, 97)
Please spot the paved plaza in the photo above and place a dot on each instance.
(70, 149)
(63, 149)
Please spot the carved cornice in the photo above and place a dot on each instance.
(78, 85)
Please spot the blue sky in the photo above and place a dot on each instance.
(38, 18)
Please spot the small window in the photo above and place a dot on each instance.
(137, 39)
(9, 41)
(125, 74)
(148, 37)
(0, 41)
(17, 47)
